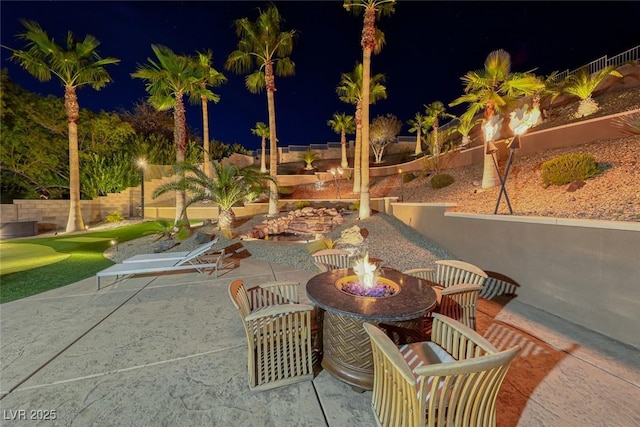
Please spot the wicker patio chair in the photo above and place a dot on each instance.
(452, 272)
(452, 380)
(331, 259)
(279, 336)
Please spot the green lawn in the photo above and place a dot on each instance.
(31, 266)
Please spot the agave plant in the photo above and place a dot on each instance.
(228, 186)
(582, 84)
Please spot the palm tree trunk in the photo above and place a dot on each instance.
(206, 167)
(273, 140)
(75, 221)
(490, 177)
(358, 149)
(343, 146)
(368, 43)
(263, 160)
(180, 138)
(418, 143)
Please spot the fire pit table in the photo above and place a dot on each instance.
(347, 351)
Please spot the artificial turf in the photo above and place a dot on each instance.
(52, 262)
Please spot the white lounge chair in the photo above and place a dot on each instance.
(201, 263)
(173, 256)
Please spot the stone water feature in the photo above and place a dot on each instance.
(307, 222)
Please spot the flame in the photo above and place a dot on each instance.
(365, 271)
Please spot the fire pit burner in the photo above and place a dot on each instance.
(381, 288)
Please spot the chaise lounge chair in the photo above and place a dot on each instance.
(174, 256)
(201, 263)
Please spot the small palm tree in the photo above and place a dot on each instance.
(262, 130)
(309, 156)
(229, 186)
(494, 89)
(464, 127)
(434, 112)
(77, 64)
(342, 124)
(419, 124)
(582, 84)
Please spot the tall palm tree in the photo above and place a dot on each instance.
(419, 124)
(229, 186)
(371, 9)
(350, 91)
(262, 130)
(262, 46)
(209, 76)
(434, 112)
(582, 84)
(342, 124)
(169, 79)
(493, 89)
(76, 64)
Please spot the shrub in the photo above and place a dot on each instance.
(567, 168)
(285, 191)
(407, 177)
(442, 180)
(302, 204)
(355, 206)
(114, 216)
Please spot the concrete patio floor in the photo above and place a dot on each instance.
(170, 350)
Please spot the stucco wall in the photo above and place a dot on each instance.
(584, 271)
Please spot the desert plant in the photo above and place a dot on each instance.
(309, 156)
(383, 131)
(567, 168)
(355, 206)
(321, 244)
(284, 191)
(407, 177)
(115, 216)
(441, 181)
(582, 84)
(629, 124)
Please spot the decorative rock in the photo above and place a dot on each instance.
(165, 246)
(351, 236)
(201, 237)
(575, 186)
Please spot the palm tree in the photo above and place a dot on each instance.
(229, 186)
(368, 41)
(168, 80)
(342, 124)
(262, 130)
(262, 46)
(350, 91)
(464, 127)
(419, 124)
(209, 76)
(77, 64)
(434, 112)
(582, 84)
(309, 156)
(493, 89)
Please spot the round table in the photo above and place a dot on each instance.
(346, 346)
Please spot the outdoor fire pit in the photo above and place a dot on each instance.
(403, 301)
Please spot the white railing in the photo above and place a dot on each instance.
(630, 55)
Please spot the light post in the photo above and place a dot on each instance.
(142, 163)
(401, 185)
(339, 171)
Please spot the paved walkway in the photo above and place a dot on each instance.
(170, 351)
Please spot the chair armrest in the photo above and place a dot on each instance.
(468, 366)
(284, 289)
(459, 340)
(277, 310)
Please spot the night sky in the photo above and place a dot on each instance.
(430, 45)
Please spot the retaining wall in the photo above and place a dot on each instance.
(584, 271)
